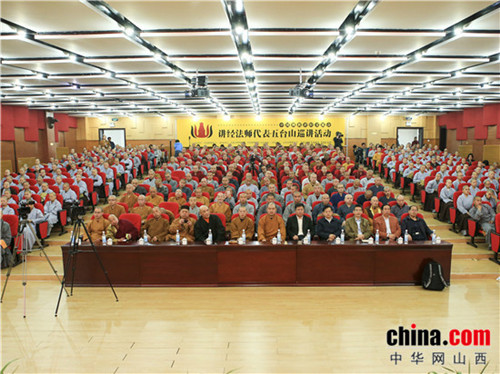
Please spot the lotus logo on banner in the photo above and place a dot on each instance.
(199, 131)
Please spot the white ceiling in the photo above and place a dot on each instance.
(75, 56)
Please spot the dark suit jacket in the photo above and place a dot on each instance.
(379, 223)
(292, 227)
(201, 228)
(324, 229)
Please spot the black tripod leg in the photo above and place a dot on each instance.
(100, 262)
(63, 282)
(73, 271)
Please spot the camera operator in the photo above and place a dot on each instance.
(338, 140)
(35, 216)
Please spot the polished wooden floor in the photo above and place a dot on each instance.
(245, 329)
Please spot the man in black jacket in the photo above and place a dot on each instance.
(417, 228)
(298, 225)
(328, 227)
(207, 222)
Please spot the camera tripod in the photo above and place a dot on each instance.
(75, 242)
(19, 243)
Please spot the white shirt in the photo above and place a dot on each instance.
(358, 221)
(387, 226)
(300, 221)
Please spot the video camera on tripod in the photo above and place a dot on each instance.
(24, 208)
(76, 210)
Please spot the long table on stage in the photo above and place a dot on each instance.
(255, 264)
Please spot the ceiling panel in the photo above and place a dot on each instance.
(133, 66)
(437, 66)
(285, 64)
(315, 45)
(19, 48)
(199, 45)
(66, 15)
(59, 68)
(307, 14)
(179, 14)
(374, 45)
(404, 14)
(468, 46)
(109, 46)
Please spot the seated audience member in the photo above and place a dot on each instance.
(387, 225)
(193, 207)
(400, 207)
(416, 226)
(299, 224)
(208, 222)
(309, 187)
(243, 202)
(198, 194)
(446, 197)
(387, 198)
(315, 196)
(328, 227)
(464, 204)
(4, 206)
(474, 188)
(485, 217)
(156, 227)
(356, 187)
(373, 209)
(318, 209)
(490, 197)
(357, 227)
(367, 179)
(129, 197)
(249, 184)
(142, 209)
(263, 208)
(121, 230)
(172, 182)
(367, 196)
(161, 188)
(219, 206)
(138, 188)
(377, 187)
(346, 208)
(269, 225)
(178, 198)
(338, 197)
(6, 235)
(97, 226)
(240, 223)
(44, 191)
(419, 178)
(205, 187)
(29, 232)
(431, 192)
(51, 211)
(184, 224)
(113, 207)
(151, 178)
(96, 180)
(290, 208)
(153, 197)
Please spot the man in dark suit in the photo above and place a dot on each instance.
(328, 227)
(387, 225)
(298, 225)
(207, 222)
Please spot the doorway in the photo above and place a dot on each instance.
(442, 137)
(407, 135)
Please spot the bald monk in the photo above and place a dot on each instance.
(240, 223)
(143, 210)
(153, 197)
(221, 207)
(184, 224)
(121, 230)
(198, 194)
(113, 207)
(269, 225)
(129, 197)
(157, 227)
(177, 198)
(97, 225)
